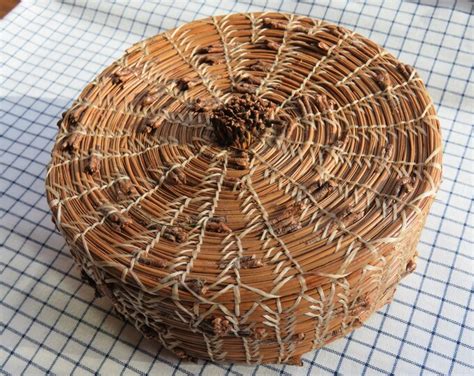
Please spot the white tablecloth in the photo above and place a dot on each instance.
(50, 320)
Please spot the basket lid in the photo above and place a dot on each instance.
(242, 157)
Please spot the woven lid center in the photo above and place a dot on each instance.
(241, 121)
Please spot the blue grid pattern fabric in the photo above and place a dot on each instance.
(50, 320)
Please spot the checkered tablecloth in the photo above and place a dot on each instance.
(50, 320)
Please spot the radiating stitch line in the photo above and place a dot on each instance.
(204, 217)
(105, 156)
(187, 201)
(205, 80)
(248, 181)
(278, 56)
(135, 202)
(360, 67)
(86, 192)
(345, 155)
(332, 216)
(171, 117)
(314, 70)
(225, 45)
(82, 130)
(357, 184)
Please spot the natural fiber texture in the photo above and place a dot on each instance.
(271, 244)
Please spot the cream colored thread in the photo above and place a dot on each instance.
(83, 233)
(256, 22)
(170, 117)
(100, 81)
(377, 94)
(264, 214)
(204, 217)
(225, 45)
(155, 239)
(278, 57)
(314, 70)
(248, 355)
(205, 80)
(423, 116)
(344, 300)
(319, 207)
(186, 202)
(293, 151)
(269, 226)
(106, 156)
(330, 310)
(103, 133)
(363, 66)
(285, 64)
(60, 202)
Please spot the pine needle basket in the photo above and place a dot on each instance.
(272, 245)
